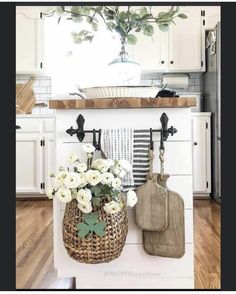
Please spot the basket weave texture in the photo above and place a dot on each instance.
(92, 248)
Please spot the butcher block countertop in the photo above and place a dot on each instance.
(104, 103)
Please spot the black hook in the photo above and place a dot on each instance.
(80, 130)
(151, 141)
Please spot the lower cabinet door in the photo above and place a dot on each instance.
(49, 161)
(28, 165)
(199, 154)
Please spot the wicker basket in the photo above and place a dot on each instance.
(92, 248)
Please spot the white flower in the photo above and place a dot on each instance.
(112, 207)
(110, 162)
(107, 178)
(81, 167)
(93, 177)
(119, 171)
(64, 195)
(60, 177)
(84, 196)
(86, 208)
(83, 180)
(116, 183)
(131, 198)
(72, 158)
(51, 174)
(72, 180)
(50, 192)
(88, 148)
(101, 164)
(125, 164)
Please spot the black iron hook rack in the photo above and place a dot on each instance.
(165, 131)
(80, 132)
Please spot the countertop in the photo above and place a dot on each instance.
(105, 103)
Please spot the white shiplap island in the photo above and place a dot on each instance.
(134, 269)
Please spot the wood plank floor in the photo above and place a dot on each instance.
(207, 244)
(34, 246)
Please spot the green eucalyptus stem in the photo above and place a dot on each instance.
(81, 14)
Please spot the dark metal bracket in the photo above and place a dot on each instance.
(165, 131)
(80, 132)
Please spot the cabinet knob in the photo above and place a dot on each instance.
(18, 127)
(171, 62)
(162, 62)
(195, 143)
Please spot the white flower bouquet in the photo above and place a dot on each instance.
(95, 184)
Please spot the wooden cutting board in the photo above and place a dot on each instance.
(25, 99)
(171, 242)
(152, 205)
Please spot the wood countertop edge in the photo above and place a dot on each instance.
(116, 103)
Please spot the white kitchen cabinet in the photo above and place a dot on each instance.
(212, 16)
(180, 49)
(29, 164)
(185, 43)
(29, 42)
(35, 153)
(49, 162)
(201, 126)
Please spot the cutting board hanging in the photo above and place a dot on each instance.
(171, 242)
(152, 205)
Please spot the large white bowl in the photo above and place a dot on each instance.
(121, 91)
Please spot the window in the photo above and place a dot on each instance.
(73, 65)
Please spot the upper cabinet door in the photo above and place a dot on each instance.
(212, 16)
(28, 43)
(150, 52)
(185, 42)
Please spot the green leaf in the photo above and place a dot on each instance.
(91, 218)
(60, 10)
(163, 27)
(99, 228)
(83, 229)
(94, 26)
(96, 201)
(78, 18)
(183, 16)
(75, 9)
(143, 11)
(148, 30)
(105, 189)
(131, 39)
(96, 190)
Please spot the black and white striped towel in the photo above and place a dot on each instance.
(118, 144)
(141, 161)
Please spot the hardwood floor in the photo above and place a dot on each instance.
(34, 246)
(207, 244)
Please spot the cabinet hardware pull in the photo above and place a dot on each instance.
(171, 62)
(18, 127)
(195, 143)
(162, 62)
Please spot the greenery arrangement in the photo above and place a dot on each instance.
(125, 20)
(92, 184)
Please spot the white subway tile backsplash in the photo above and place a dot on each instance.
(45, 83)
(156, 79)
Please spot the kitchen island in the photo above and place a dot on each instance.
(134, 269)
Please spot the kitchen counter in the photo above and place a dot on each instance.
(106, 103)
